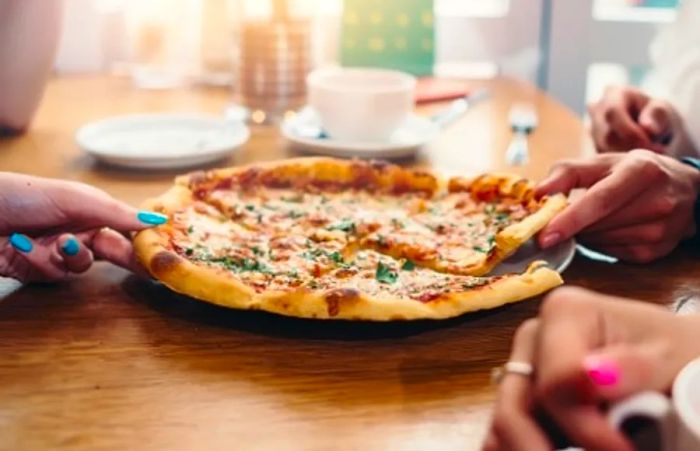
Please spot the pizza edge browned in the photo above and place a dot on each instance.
(152, 247)
(217, 287)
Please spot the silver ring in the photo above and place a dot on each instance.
(512, 367)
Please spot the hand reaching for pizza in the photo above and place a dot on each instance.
(638, 205)
(587, 350)
(626, 118)
(50, 229)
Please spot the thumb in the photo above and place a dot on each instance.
(622, 370)
(655, 120)
(87, 208)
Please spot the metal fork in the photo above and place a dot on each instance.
(523, 120)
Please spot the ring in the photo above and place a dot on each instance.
(511, 367)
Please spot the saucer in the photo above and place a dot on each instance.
(304, 132)
(162, 141)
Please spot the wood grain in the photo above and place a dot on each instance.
(106, 361)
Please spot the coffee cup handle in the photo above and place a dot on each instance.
(648, 407)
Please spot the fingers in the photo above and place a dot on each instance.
(76, 257)
(514, 427)
(630, 178)
(620, 371)
(109, 245)
(38, 261)
(568, 175)
(570, 328)
(625, 127)
(655, 119)
(88, 208)
(616, 121)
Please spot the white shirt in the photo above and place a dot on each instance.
(675, 54)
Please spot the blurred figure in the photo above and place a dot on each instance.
(29, 33)
(584, 351)
(664, 116)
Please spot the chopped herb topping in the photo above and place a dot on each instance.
(502, 216)
(250, 207)
(260, 216)
(385, 275)
(294, 214)
(345, 225)
(239, 264)
(313, 284)
(189, 251)
(190, 229)
(481, 249)
(408, 265)
(257, 251)
(397, 223)
(381, 240)
(336, 257)
(293, 199)
(293, 274)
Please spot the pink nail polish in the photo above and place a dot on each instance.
(602, 372)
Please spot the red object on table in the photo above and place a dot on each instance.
(431, 89)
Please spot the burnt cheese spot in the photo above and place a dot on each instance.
(335, 298)
(164, 262)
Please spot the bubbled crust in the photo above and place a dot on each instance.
(495, 187)
(217, 286)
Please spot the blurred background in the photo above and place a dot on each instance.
(570, 48)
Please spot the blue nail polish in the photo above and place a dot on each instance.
(151, 217)
(21, 242)
(71, 246)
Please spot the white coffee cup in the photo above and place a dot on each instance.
(361, 105)
(667, 424)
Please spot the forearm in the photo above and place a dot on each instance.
(29, 32)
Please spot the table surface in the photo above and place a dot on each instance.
(106, 361)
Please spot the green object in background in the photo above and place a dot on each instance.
(391, 34)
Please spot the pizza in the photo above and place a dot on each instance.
(346, 239)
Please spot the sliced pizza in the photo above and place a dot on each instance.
(326, 238)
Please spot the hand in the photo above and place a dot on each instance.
(638, 206)
(626, 118)
(50, 229)
(587, 350)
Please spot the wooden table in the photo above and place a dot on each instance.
(106, 361)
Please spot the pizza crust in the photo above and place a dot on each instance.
(218, 286)
(510, 239)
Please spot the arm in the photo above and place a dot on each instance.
(29, 32)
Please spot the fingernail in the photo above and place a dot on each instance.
(601, 371)
(550, 239)
(70, 247)
(21, 242)
(151, 217)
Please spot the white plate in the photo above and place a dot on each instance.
(162, 141)
(414, 133)
(559, 257)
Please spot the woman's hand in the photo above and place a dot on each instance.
(638, 206)
(50, 229)
(626, 118)
(587, 350)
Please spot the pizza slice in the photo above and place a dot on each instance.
(325, 238)
(469, 229)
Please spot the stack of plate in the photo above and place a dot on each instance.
(274, 58)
